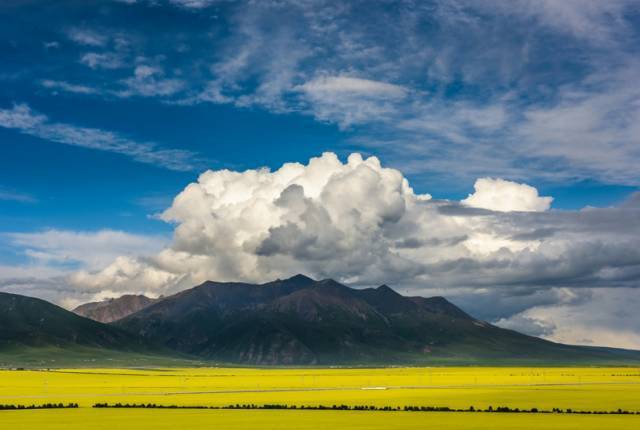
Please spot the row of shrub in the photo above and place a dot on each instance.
(44, 406)
(490, 409)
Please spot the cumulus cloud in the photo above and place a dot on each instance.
(501, 254)
(362, 223)
(505, 196)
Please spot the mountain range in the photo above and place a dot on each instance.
(295, 321)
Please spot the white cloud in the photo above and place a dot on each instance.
(193, 4)
(599, 22)
(330, 86)
(26, 121)
(592, 126)
(148, 81)
(607, 317)
(88, 37)
(53, 256)
(68, 87)
(187, 4)
(362, 223)
(107, 60)
(10, 195)
(504, 196)
(348, 100)
(479, 90)
(91, 250)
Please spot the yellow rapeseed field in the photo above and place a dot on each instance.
(587, 389)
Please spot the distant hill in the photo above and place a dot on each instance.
(114, 309)
(34, 332)
(302, 321)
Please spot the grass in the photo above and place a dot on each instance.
(78, 356)
(588, 389)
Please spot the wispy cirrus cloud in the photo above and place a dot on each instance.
(467, 88)
(149, 81)
(187, 4)
(23, 119)
(68, 87)
(15, 196)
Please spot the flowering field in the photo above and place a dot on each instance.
(581, 391)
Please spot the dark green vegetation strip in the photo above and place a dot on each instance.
(490, 409)
(44, 406)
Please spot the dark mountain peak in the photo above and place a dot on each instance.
(385, 289)
(387, 300)
(330, 282)
(300, 279)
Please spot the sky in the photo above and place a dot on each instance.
(486, 151)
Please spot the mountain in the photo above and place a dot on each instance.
(114, 309)
(34, 332)
(302, 321)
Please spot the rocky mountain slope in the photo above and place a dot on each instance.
(114, 309)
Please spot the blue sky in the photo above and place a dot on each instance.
(109, 109)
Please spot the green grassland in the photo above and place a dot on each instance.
(65, 357)
(580, 389)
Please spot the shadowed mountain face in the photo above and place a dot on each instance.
(302, 321)
(114, 309)
(29, 322)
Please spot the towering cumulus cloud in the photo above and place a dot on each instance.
(501, 253)
(362, 223)
(351, 220)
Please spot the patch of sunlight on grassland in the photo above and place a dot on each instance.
(140, 419)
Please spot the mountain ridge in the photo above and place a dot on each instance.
(302, 321)
(34, 322)
(296, 321)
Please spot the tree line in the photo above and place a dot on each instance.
(43, 406)
(489, 409)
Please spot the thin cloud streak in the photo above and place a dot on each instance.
(23, 119)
